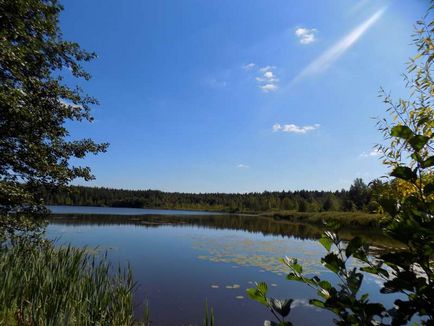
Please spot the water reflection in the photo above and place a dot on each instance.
(179, 261)
(247, 223)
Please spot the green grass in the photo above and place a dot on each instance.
(43, 285)
(349, 219)
(208, 320)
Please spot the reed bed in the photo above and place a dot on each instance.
(44, 285)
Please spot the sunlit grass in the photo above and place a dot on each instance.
(356, 219)
(44, 285)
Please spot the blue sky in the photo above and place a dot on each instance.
(239, 96)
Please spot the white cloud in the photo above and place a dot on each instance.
(375, 152)
(249, 66)
(268, 74)
(267, 68)
(277, 127)
(268, 80)
(268, 88)
(292, 128)
(305, 35)
(303, 303)
(300, 303)
(325, 60)
(242, 166)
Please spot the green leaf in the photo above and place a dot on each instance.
(353, 246)
(323, 293)
(371, 270)
(262, 287)
(417, 157)
(297, 268)
(418, 142)
(332, 262)
(317, 303)
(326, 242)
(390, 206)
(325, 285)
(404, 172)
(364, 297)
(375, 270)
(256, 295)
(401, 132)
(428, 162)
(428, 189)
(293, 277)
(354, 280)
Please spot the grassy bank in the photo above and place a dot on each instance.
(43, 285)
(351, 219)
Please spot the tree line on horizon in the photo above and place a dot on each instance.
(359, 197)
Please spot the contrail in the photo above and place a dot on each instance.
(325, 60)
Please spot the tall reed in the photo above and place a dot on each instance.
(44, 285)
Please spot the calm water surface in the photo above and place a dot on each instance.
(181, 261)
(122, 211)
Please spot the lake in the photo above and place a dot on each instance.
(122, 211)
(182, 259)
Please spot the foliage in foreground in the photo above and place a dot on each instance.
(344, 300)
(39, 284)
(35, 102)
(408, 272)
(50, 286)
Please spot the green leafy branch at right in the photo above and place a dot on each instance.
(279, 308)
(344, 300)
(407, 271)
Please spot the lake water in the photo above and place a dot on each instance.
(182, 259)
(122, 211)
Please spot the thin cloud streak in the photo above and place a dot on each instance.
(249, 66)
(325, 60)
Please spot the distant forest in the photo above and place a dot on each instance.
(360, 197)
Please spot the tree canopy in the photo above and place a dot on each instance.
(35, 103)
(300, 200)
